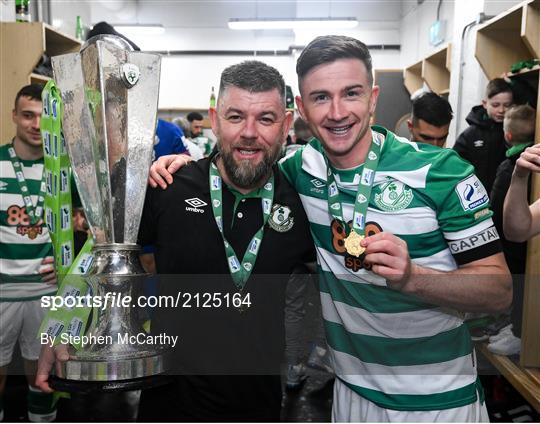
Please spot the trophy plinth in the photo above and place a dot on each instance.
(110, 96)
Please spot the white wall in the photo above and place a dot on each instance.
(415, 22)
(64, 14)
(467, 81)
(186, 81)
(7, 10)
(190, 25)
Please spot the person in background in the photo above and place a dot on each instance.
(519, 123)
(26, 261)
(196, 135)
(195, 151)
(430, 119)
(483, 144)
(302, 135)
(169, 140)
(195, 120)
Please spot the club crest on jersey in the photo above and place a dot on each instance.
(393, 196)
(281, 219)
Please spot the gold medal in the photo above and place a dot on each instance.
(352, 244)
(32, 233)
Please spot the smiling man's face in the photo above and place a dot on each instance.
(338, 100)
(250, 127)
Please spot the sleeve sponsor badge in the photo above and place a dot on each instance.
(471, 193)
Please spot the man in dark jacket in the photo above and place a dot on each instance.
(519, 133)
(483, 144)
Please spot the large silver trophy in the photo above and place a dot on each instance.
(110, 96)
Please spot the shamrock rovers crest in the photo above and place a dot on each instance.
(280, 219)
(393, 196)
(130, 74)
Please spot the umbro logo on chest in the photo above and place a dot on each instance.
(195, 205)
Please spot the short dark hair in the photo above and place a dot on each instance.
(32, 91)
(520, 122)
(328, 49)
(433, 109)
(194, 116)
(497, 86)
(252, 76)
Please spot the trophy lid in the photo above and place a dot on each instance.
(110, 95)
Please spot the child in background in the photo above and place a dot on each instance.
(483, 144)
(519, 123)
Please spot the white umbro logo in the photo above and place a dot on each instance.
(194, 204)
(478, 143)
(317, 183)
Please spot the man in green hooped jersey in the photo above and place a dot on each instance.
(392, 301)
(405, 244)
(26, 263)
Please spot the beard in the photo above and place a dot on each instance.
(244, 173)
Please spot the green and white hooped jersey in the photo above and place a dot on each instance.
(389, 347)
(22, 245)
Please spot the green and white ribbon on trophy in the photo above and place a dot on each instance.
(58, 217)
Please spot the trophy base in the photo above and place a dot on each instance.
(112, 373)
(89, 387)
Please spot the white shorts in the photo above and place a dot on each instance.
(20, 321)
(349, 407)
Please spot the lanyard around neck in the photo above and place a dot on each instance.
(240, 272)
(34, 213)
(363, 194)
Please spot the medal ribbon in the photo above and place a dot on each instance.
(240, 272)
(364, 188)
(57, 174)
(36, 213)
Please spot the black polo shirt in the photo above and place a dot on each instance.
(227, 361)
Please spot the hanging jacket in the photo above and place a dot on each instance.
(483, 145)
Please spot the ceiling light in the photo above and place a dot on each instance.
(293, 23)
(132, 30)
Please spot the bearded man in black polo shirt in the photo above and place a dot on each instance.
(228, 232)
